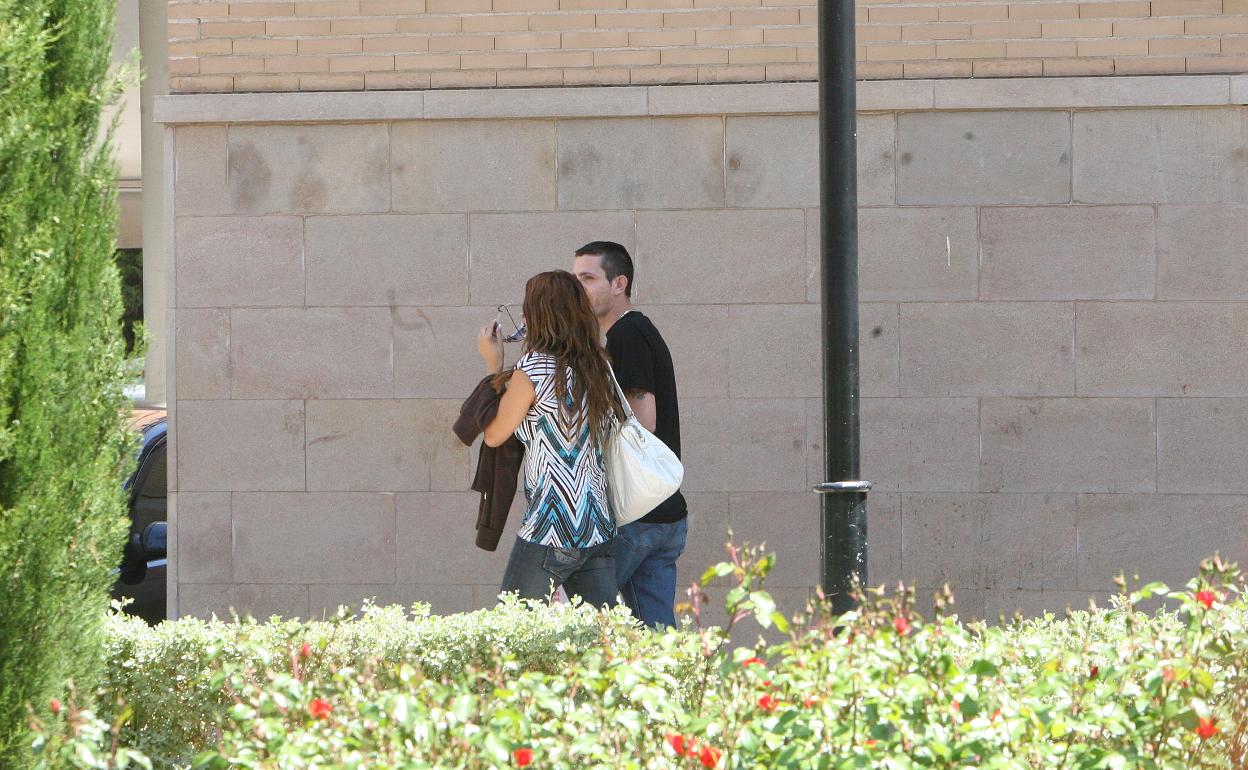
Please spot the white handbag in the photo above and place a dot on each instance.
(641, 470)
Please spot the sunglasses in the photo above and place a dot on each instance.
(520, 330)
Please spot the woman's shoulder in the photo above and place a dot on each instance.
(536, 362)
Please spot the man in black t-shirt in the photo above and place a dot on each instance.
(646, 550)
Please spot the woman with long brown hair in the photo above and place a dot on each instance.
(559, 402)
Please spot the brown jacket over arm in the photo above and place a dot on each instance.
(498, 468)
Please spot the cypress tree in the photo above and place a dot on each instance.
(64, 450)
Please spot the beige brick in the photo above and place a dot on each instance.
(1234, 64)
(1235, 6)
(1078, 67)
(767, 16)
(496, 22)
(1147, 27)
(1006, 30)
(777, 72)
(431, 24)
(361, 63)
(740, 73)
(391, 7)
(297, 64)
(880, 70)
(458, 6)
(601, 39)
(184, 66)
(683, 56)
(542, 59)
(266, 83)
(974, 13)
(730, 37)
(933, 31)
(462, 43)
(937, 69)
(666, 37)
(648, 58)
(528, 41)
(1008, 68)
(560, 22)
(379, 26)
(1035, 11)
(262, 9)
(183, 30)
(183, 48)
(232, 28)
(1148, 66)
(795, 35)
(663, 75)
(396, 81)
(478, 79)
(336, 82)
(263, 46)
(213, 84)
(1113, 47)
(220, 65)
(660, 4)
(1235, 45)
(631, 20)
(214, 47)
(198, 10)
(432, 61)
(762, 55)
(877, 33)
(1184, 46)
(515, 6)
(970, 51)
(332, 8)
(598, 76)
(1027, 49)
(300, 27)
(337, 44)
(1186, 7)
(1113, 10)
(697, 19)
(529, 78)
(901, 52)
(1227, 25)
(592, 5)
(808, 54)
(1078, 29)
(808, 15)
(491, 60)
(905, 15)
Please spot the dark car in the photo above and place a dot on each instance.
(141, 576)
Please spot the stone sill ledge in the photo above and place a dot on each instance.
(724, 99)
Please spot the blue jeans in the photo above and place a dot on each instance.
(645, 568)
(534, 571)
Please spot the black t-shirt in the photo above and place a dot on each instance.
(641, 361)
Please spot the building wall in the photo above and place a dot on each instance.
(355, 45)
(1053, 322)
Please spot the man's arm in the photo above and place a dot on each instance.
(642, 402)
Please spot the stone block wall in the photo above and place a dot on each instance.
(324, 45)
(1054, 328)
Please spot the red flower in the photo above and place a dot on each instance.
(709, 756)
(1167, 674)
(768, 703)
(55, 706)
(1206, 728)
(1092, 672)
(957, 706)
(901, 625)
(679, 745)
(305, 650)
(996, 714)
(320, 708)
(871, 743)
(766, 683)
(811, 702)
(1206, 598)
(752, 662)
(522, 757)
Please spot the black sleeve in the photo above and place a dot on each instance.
(633, 360)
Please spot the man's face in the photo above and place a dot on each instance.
(588, 270)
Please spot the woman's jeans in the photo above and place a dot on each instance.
(534, 571)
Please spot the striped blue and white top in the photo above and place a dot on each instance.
(565, 480)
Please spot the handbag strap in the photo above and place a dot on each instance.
(628, 409)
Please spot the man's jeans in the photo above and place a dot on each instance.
(645, 566)
(585, 572)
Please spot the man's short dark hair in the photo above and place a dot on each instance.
(615, 261)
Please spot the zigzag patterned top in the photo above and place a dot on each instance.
(565, 480)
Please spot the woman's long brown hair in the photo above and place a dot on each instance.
(561, 323)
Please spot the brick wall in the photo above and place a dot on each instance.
(319, 45)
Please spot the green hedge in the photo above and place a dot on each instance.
(566, 688)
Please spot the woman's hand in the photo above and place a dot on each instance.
(490, 346)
